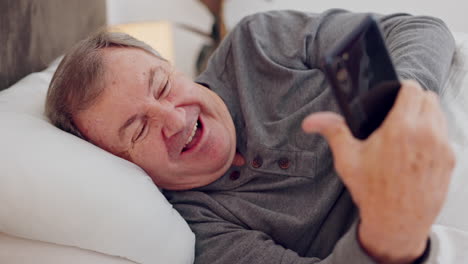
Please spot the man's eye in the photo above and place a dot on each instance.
(164, 89)
(140, 133)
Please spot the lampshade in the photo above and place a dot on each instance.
(156, 34)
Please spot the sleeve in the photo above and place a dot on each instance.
(421, 47)
(221, 238)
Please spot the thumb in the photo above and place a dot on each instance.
(333, 127)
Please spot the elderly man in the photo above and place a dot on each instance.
(230, 152)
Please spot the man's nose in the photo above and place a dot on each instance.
(174, 121)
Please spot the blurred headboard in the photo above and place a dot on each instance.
(33, 33)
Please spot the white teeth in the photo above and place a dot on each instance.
(193, 134)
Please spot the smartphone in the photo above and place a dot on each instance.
(362, 77)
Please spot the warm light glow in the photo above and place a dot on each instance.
(156, 34)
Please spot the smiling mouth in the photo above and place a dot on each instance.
(194, 137)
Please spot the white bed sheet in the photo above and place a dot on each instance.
(14, 250)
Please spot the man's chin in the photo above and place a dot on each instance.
(185, 185)
(195, 177)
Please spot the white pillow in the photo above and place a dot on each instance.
(57, 188)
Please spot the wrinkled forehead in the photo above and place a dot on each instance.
(131, 67)
(118, 52)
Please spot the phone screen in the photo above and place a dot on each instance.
(362, 77)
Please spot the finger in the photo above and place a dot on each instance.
(333, 127)
(408, 101)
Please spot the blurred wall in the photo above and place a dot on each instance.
(192, 12)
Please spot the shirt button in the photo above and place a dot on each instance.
(257, 162)
(284, 163)
(234, 175)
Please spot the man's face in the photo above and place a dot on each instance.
(179, 132)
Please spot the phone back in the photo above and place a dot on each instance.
(362, 76)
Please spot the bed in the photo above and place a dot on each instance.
(63, 200)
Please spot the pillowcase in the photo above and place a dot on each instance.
(57, 188)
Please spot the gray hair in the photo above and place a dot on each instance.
(77, 82)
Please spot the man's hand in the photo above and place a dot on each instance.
(398, 177)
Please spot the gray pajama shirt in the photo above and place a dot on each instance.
(287, 204)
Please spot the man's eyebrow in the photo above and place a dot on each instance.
(151, 74)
